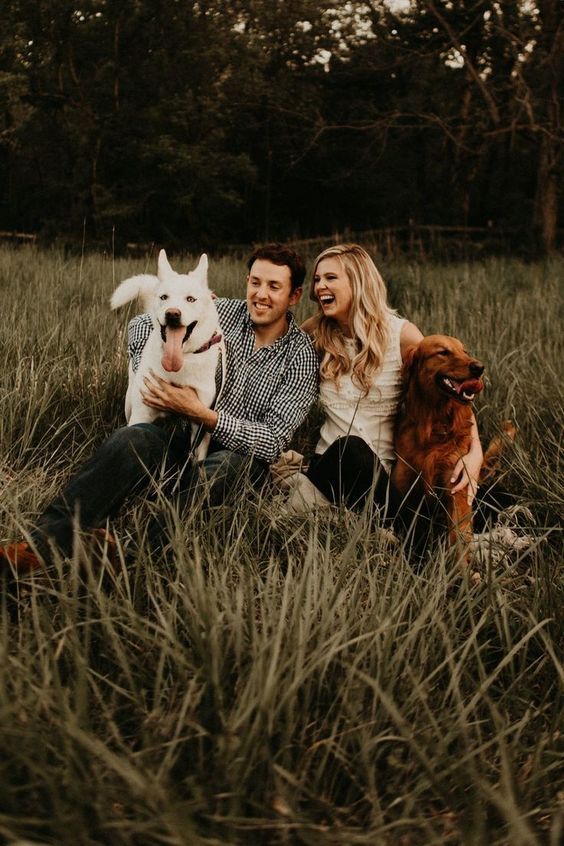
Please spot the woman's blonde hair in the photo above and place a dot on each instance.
(369, 320)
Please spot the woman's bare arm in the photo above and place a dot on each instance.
(409, 337)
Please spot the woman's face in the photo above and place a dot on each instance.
(332, 290)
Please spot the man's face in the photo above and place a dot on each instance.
(269, 292)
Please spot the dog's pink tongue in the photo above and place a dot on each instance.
(172, 359)
(471, 386)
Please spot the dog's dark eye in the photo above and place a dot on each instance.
(190, 299)
(163, 297)
(444, 352)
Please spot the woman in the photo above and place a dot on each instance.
(362, 343)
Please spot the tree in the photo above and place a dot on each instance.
(546, 95)
(201, 122)
(496, 68)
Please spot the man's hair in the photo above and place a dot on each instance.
(281, 255)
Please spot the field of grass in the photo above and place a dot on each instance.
(277, 679)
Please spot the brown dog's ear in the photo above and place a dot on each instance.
(409, 363)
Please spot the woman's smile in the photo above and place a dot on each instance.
(333, 290)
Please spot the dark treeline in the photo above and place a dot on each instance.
(208, 123)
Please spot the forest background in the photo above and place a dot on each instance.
(203, 124)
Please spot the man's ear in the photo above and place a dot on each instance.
(295, 296)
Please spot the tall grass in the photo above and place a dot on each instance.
(275, 679)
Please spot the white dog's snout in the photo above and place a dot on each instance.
(172, 316)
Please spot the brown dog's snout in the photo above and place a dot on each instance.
(476, 368)
(172, 316)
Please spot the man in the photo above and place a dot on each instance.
(270, 383)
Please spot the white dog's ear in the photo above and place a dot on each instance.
(201, 269)
(202, 265)
(163, 266)
(136, 286)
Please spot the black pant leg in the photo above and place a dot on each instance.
(348, 472)
(122, 465)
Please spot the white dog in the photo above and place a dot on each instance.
(185, 342)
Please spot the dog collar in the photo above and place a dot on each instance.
(215, 339)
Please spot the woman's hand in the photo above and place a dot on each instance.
(466, 472)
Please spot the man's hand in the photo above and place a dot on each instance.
(181, 399)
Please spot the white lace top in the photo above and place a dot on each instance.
(370, 417)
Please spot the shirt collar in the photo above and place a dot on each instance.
(292, 326)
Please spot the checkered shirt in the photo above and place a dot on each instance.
(268, 391)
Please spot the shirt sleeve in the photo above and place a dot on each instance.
(230, 312)
(267, 438)
(138, 332)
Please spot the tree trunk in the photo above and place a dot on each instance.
(546, 198)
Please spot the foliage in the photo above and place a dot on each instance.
(220, 123)
(272, 678)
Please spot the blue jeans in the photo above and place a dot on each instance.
(125, 464)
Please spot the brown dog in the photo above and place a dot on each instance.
(433, 428)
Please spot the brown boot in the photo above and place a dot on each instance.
(19, 559)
